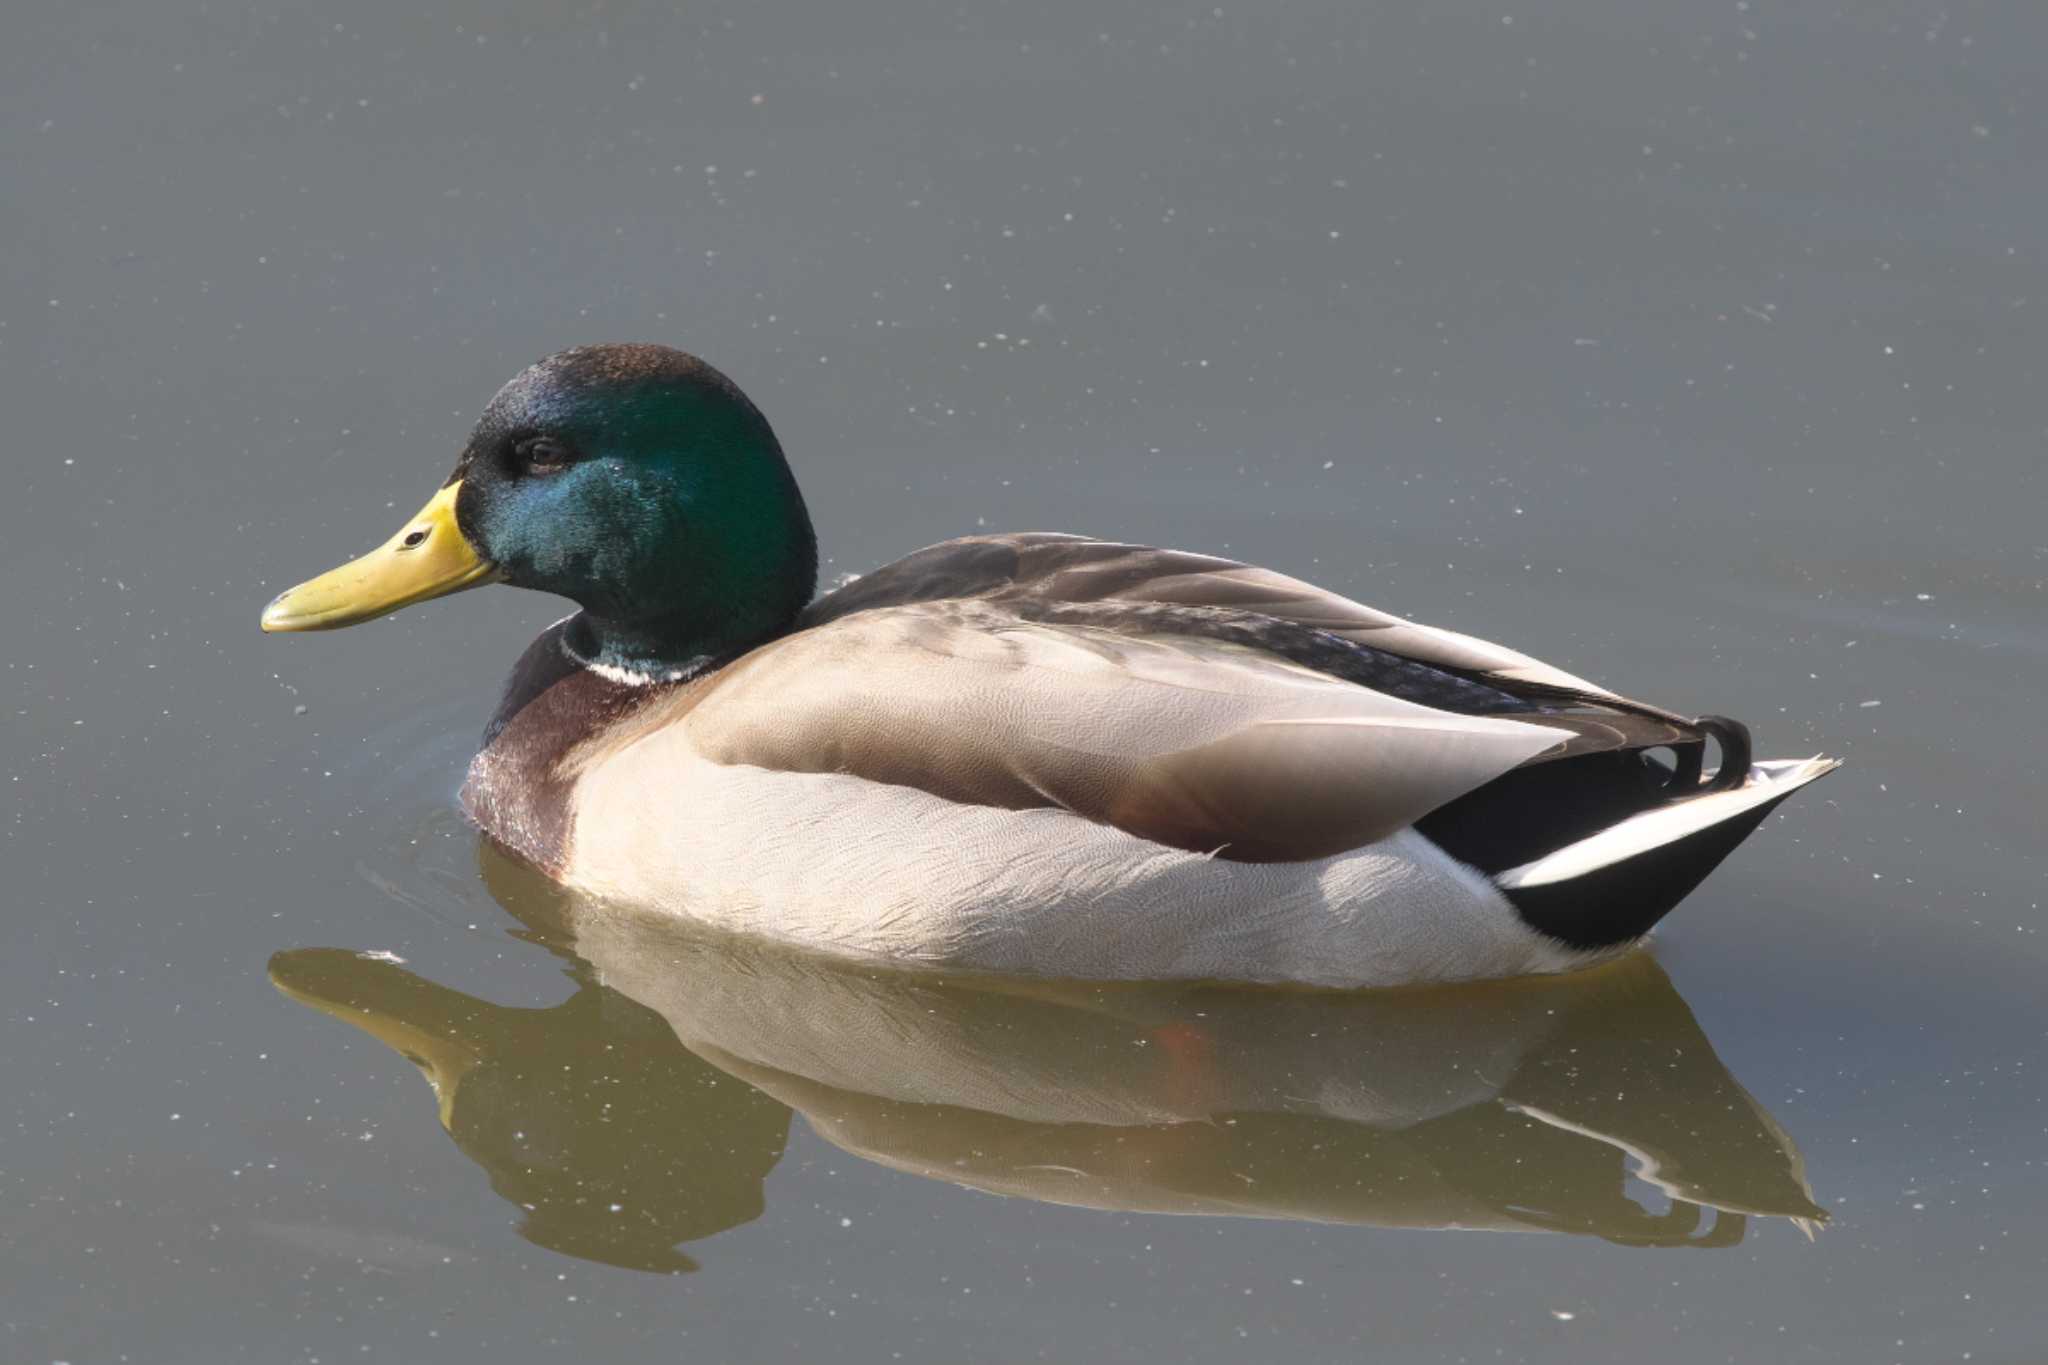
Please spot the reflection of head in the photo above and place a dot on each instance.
(615, 1141)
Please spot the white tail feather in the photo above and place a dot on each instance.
(1768, 780)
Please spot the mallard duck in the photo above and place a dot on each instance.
(1033, 753)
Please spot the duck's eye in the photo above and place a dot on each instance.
(542, 455)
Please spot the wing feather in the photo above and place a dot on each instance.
(1190, 742)
(1064, 568)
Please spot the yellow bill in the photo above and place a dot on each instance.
(427, 558)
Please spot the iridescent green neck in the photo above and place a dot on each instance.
(668, 649)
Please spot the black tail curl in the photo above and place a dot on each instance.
(1732, 736)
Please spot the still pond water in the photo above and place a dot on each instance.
(1698, 348)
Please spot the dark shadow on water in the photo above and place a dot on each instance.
(646, 1112)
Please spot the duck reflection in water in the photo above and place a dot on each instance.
(646, 1112)
(615, 1141)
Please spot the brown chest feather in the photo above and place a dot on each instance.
(519, 787)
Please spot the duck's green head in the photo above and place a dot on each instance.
(636, 481)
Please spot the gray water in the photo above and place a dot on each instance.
(1696, 348)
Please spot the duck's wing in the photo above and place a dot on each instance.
(1140, 589)
(1049, 570)
(1189, 740)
